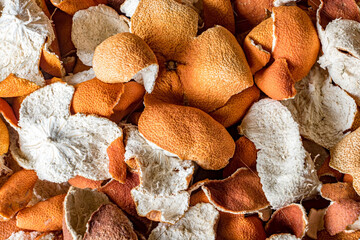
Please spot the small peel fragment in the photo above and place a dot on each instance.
(54, 143)
(207, 143)
(123, 57)
(96, 97)
(245, 156)
(164, 178)
(199, 222)
(80, 77)
(25, 28)
(239, 227)
(92, 26)
(240, 193)
(339, 215)
(13, 86)
(72, 6)
(44, 216)
(81, 182)
(117, 165)
(79, 205)
(326, 171)
(16, 193)
(291, 177)
(8, 228)
(109, 222)
(323, 111)
(283, 236)
(290, 219)
(316, 222)
(44, 190)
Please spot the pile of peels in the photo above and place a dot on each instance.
(179, 119)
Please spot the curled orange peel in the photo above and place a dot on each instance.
(72, 6)
(117, 165)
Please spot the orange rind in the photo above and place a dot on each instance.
(218, 12)
(326, 170)
(244, 157)
(324, 235)
(292, 42)
(81, 182)
(238, 227)
(161, 195)
(337, 191)
(80, 77)
(316, 222)
(290, 219)
(8, 228)
(240, 193)
(96, 97)
(43, 190)
(199, 221)
(345, 155)
(341, 215)
(237, 106)
(92, 26)
(63, 24)
(72, 6)
(43, 216)
(283, 144)
(13, 86)
(16, 193)
(79, 144)
(123, 57)
(117, 165)
(324, 111)
(109, 222)
(172, 128)
(27, 31)
(79, 205)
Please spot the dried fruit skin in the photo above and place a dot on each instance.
(16, 193)
(72, 6)
(43, 216)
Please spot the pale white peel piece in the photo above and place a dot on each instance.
(199, 222)
(92, 26)
(283, 236)
(323, 111)
(341, 47)
(79, 205)
(278, 3)
(286, 171)
(59, 146)
(164, 177)
(129, 7)
(80, 77)
(21, 235)
(44, 190)
(24, 29)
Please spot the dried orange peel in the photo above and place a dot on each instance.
(292, 162)
(8, 114)
(161, 195)
(292, 42)
(171, 127)
(72, 6)
(43, 216)
(290, 219)
(27, 33)
(340, 190)
(16, 193)
(227, 195)
(92, 26)
(81, 182)
(67, 138)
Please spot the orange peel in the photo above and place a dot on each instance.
(345, 155)
(16, 193)
(4, 138)
(72, 6)
(43, 216)
(109, 222)
(341, 215)
(211, 148)
(29, 31)
(238, 227)
(336, 191)
(218, 12)
(63, 24)
(293, 56)
(202, 74)
(245, 156)
(316, 222)
(228, 196)
(96, 97)
(324, 112)
(8, 228)
(120, 193)
(237, 106)
(199, 221)
(123, 57)
(13, 86)
(117, 165)
(43, 190)
(72, 155)
(326, 170)
(290, 219)
(268, 115)
(324, 235)
(92, 26)
(81, 182)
